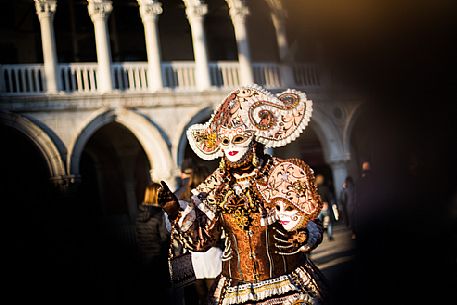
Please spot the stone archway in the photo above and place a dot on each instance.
(329, 135)
(332, 141)
(35, 212)
(149, 137)
(40, 138)
(326, 137)
(352, 119)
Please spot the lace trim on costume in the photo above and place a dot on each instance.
(286, 289)
(291, 299)
(258, 291)
(187, 217)
(311, 286)
(276, 120)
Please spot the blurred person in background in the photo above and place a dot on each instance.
(348, 204)
(326, 215)
(151, 240)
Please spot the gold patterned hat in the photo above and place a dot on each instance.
(275, 120)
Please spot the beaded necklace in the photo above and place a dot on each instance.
(239, 198)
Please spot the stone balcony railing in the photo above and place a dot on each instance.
(81, 78)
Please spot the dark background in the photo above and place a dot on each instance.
(401, 55)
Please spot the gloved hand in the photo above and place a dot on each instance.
(315, 234)
(289, 243)
(168, 201)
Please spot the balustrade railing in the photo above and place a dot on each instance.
(179, 75)
(267, 75)
(306, 75)
(81, 78)
(22, 79)
(224, 74)
(130, 76)
(78, 77)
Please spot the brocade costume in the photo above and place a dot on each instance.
(264, 261)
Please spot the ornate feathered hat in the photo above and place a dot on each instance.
(275, 120)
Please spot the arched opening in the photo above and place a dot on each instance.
(262, 35)
(74, 32)
(114, 172)
(196, 160)
(21, 36)
(25, 177)
(301, 31)
(126, 32)
(32, 222)
(75, 36)
(308, 148)
(220, 36)
(174, 32)
(364, 140)
(149, 137)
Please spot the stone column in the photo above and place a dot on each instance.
(238, 13)
(278, 16)
(45, 10)
(195, 14)
(339, 171)
(99, 11)
(150, 11)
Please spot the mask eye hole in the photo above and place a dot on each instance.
(225, 141)
(289, 208)
(278, 207)
(238, 139)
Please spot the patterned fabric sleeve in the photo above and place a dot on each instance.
(198, 225)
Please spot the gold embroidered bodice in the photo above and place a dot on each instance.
(242, 206)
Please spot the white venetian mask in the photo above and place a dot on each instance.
(289, 217)
(235, 142)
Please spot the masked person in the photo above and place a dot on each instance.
(265, 207)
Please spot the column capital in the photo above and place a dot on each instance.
(238, 9)
(66, 183)
(340, 160)
(198, 10)
(45, 8)
(277, 8)
(150, 9)
(99, 8)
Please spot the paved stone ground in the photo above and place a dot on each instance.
(386, 265)
(332, 255)
(336, 260)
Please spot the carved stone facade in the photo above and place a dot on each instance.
(63, 122)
